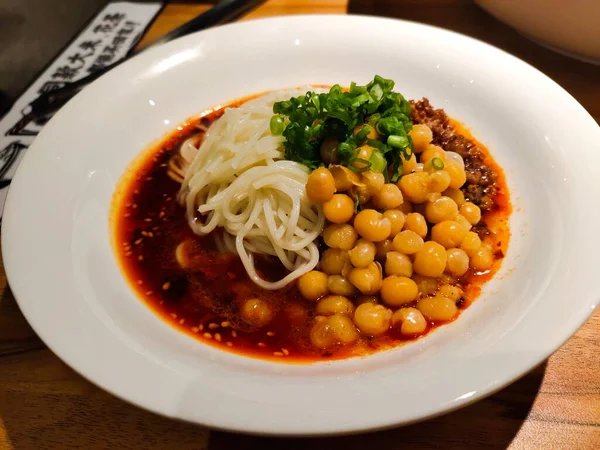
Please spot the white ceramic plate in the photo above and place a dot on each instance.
(61, 267)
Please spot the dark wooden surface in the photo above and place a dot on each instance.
(45, 404)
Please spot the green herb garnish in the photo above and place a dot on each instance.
(347, 118)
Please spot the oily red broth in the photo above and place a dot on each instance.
(204, 299)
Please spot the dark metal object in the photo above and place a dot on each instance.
(223, 12)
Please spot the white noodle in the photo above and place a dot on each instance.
(237, 180)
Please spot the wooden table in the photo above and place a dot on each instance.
(45, 404)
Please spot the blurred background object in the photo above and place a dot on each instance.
(32, 33)
(571, 27)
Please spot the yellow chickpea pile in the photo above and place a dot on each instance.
(395, 263)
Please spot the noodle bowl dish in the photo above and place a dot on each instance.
(308, 225)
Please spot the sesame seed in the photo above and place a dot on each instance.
(128, 254)
(201, 327)
(163, 165)
(128, 205)
(149, 293)
(139, 281)
(195, 329)
(174, 316)
(229, 344)
(277, 353)
(225, 324)
(217, 337)
(127, 215)
(136, 191)
(144, 233)
(134, 206)
(150, 234)
(262, 344)
(140, 258)
(181, 321)
(139, 241)
(213, 326)
(207, 335)
(233, 333)
(285, 351)
(166, 286)
(147, 219)
(162, 214)
(270, 333)
(148, 178)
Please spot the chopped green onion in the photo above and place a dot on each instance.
(437, 163)
(378, 162)
(363, 133)
(367, 165)
(397, 141)
(277, 125)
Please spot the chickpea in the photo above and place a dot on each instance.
(342, 236)
(257, 312)
(415, 186)
(458, 177)
(410, 321)
(432, 197)
(339, 209)
(362, 254)
(421, 136)
(334, 330)
(454, 293)
(388, 197)
(344, 178)
(430, 261)
(444, 208)
(409, 165)
(364, 153)
(448, 233)
(372, 320)
(382, 248)
(417, 223)
(366, 279)
(320, 186)
(408, 242)
(313, 285)
(397, 291)
(426, 285)
(335, 304)
(439, 181)
(371, 225)
(406, 207)
(456, 195)
(482, 259)
(437, 308)
(397, 219)
(433, 151)
(333, 261)
(373, 299)
(397, 263)
(457, 262)
(471, 243)
(471, 212)
(373, 182)
(463, 222)
(340, 285)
